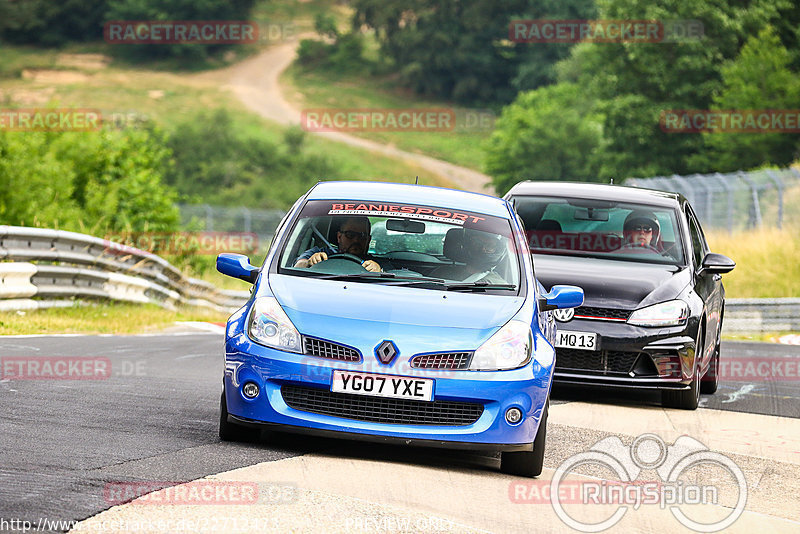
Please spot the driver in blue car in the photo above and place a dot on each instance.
(353, 238)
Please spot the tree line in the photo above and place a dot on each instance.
(591, 111)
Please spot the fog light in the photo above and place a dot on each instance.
(513, 416)
(250, 390)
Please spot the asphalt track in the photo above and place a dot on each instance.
(154, 420)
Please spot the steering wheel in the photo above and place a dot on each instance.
(346, 256)
(339, 263)
(638, 248)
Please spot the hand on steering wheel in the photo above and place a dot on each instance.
(368, 265)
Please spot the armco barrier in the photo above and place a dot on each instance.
(75, 266)
(762, 315)
(46, 268)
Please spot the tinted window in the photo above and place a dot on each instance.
(596, 228)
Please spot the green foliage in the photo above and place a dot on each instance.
(528, 141)
(48, 23)
(759, 78)
(126, 10)
(629, 85)
(451, 49)
(105, 181)
(344, 52)
(36, 187)
(537, 62)
(215, 163)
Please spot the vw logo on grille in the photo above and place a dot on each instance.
(564, 315)
(386, 351)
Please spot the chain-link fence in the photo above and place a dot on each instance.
(207, 218)
(737, 200)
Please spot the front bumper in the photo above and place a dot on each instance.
(628, 357)
(526, 388)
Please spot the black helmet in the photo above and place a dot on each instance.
(637, 217)
(484, 250)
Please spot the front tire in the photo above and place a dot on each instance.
(528, 463)
(229, 431)
(710, 381)
(687, 399)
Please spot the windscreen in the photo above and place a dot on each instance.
(404, 241)
(603, 229)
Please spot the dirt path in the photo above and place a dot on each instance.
(255, 82)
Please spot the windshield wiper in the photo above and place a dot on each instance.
(474, 286)
(356, 276)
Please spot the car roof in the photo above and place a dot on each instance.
(636, 195)
(410, 194)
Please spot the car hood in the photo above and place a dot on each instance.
(611, 283)
(363, 314)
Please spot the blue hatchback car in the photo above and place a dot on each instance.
(395, 313)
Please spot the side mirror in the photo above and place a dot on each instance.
(717, 264)
(561, 297)
(237, 266)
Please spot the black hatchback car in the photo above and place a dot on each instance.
(653, 295)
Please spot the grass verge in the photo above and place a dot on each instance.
(101, 318)
(768, 262)
(335, 90)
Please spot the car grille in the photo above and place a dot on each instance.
(602, 314)
(606, 361)
(380, 409)
(327, 349)
(448, 360)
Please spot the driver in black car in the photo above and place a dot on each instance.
(641, 230)
(353, 238)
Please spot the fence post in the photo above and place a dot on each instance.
(729, 191)
(756, 211)
(209, 218)
(779, 184)
(248, 223)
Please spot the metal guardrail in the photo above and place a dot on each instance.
(71, 266)
(41, 268)
(762, 315)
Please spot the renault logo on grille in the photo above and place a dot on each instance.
(564, 315)
(386, 351)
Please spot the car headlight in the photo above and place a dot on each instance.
(508, 348)
(270, 326)
(670, 313)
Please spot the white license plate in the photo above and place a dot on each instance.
(398, 387)
(576, 340)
